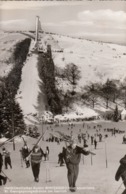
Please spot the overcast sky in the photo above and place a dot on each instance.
(97, 20)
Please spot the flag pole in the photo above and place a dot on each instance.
(106, 160)
(91, 157)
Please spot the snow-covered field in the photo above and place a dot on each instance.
(92, 179)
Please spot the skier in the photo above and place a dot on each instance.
(92, 139)
(7, 159)
(25, 152)
(61, 158)
(72, 156)
(79, 138)
(3, 179)
(84, 142)
(36, 158)
(46, 154)
(121, 172)
(100, 137)
(124, 139)
(95, 143)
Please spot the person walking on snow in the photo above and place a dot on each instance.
(7, 159)
(61, 158)
(3, 179)
(121, 172)
(95, 142)
(46, 154)
(92, 139)
(36, 158)
(25, 152)
(72, 156)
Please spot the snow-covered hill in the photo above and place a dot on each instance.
(97, 61)
(7, 44)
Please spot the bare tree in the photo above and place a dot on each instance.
(108, 91)
(91, 93)
(72, 73)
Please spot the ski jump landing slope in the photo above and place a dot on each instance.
(27, 95)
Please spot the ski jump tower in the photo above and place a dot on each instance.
(37, 29)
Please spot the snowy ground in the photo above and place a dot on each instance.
(29, 87)
(93, 179)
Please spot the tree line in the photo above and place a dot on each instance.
(11, 116)
(111, 92)
(46, 71)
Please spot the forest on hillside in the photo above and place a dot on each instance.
(11, 116)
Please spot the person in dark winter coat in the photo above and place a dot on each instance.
(36, 158)
(46, 154)
(3, 179)
(72, 156)
(100, 137)
(61, 158)
(95, 143)
(7, 159)
(25, 152)
(124, 139)
(92, 139)
(121, 172)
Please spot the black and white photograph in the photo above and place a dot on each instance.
(63, 97)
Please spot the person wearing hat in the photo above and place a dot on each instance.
(72, 156)
(25, 152)
(121, 172)
(36, 158)
(7, 159)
